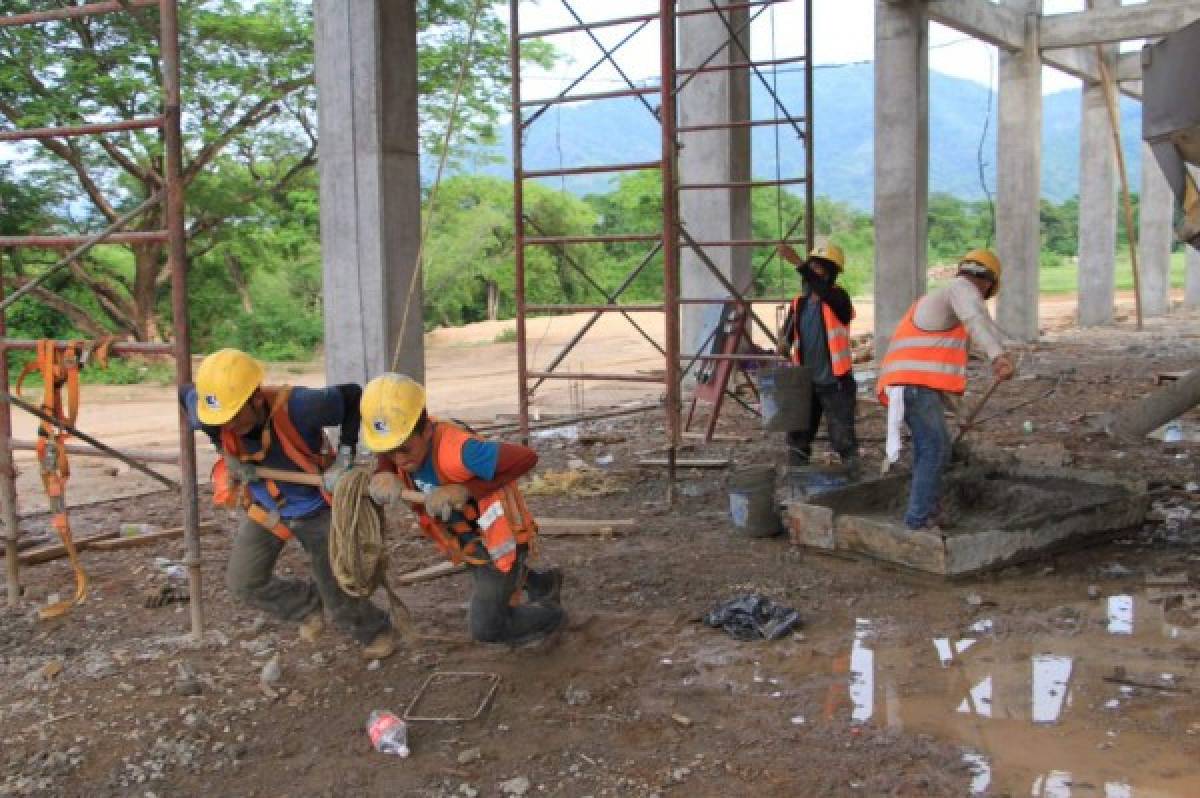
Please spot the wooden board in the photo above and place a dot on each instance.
(436, 571)
(147, 540)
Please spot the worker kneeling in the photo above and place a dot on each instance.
(926, 365)
(472, 511)
(282, 428)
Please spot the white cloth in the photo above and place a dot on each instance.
(895, 417)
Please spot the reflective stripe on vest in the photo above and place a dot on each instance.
(837, 336)
(936, 359)
(503, 521)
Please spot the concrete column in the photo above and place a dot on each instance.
(1018, 179)
(1156, 211)
(1097, 200)
(901, 161)
(370, 186)
(716, 156)
(1191, 284)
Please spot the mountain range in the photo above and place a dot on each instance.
(620, 130)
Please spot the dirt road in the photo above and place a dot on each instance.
(896, 685)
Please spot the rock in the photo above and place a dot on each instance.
(272, 672)
(577, 696)
(52, 669)
(974, 600)
(682, 720)
(1093, 592)
(373, 665)
(467, 791)
(470, 755)
(186, 683)
(516, 786)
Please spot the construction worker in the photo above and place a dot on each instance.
(473, 511)
(926, 365)
(254, 426)
(816, 335)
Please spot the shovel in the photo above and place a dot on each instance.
(962, 452)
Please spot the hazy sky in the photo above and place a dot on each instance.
(843, 32)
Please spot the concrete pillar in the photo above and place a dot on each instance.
(1191, 283)
(1156, 211)
(1018, 179)
(714, 156)
(370, 186)
(901, 161)
(1097, 200)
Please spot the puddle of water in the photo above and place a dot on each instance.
(1034, 713)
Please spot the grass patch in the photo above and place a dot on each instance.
(506, 336)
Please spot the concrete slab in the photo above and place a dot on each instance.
(1005, 513)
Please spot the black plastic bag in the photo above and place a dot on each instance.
(753, 617)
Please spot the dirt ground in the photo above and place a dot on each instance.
(1069, 675)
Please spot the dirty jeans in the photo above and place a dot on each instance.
(251, 579)
(925, 415)
(492, 619)
(837, 402)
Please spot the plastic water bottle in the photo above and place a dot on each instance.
(388, 733)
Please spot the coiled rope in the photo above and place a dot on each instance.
(358, 552)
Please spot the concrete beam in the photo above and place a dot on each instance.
(1104, 25)
(370, 186)
(901, 161)
(1156, 234)
(713, 156)
(1129, 66)
(1018, 181)
(995, 24)
(1191, 278)
(1080, 62)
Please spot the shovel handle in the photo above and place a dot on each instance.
(970, 419)
(315, 480)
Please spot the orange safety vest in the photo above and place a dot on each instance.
(933, 359)
(501, 519)
(837, 335)
(279, 423)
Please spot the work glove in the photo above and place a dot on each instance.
(238, 471)
(443, 501)
(384, 488)
(341, 464)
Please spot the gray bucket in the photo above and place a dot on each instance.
(752, 502)
(786, 393)
(806, 481)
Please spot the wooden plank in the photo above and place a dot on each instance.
(583, 523)
(719, 437)
(58, 550)
(662, 462)
(436, 571)
(146, 540)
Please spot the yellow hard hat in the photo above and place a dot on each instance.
(224, 381)
(988, 260)
(391, 406)
(832, 253)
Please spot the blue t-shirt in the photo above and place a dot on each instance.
(311, 410)
(480, 458)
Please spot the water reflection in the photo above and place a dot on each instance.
(1051, 678)
(1120, 615)
(862, 673)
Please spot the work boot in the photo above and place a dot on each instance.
(551, 591)
(545, 638)
(312, 627)
(382, 647)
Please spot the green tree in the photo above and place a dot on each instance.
(247, 79)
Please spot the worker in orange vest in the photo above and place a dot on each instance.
(926, 365)
(816, 335)
(283, 428)
(473, 511)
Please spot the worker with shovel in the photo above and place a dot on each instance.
(281, 430)
(816, 335)
(471, 510)
(926, 365)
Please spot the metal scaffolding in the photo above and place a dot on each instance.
(173, 234)
(673, 236)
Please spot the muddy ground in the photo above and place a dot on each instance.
(1072, 675)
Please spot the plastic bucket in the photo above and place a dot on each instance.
(807, 481)
(752, 502)
(786, 393)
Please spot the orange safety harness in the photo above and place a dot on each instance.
(498, 523)
(60, 368)
(279, 423)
